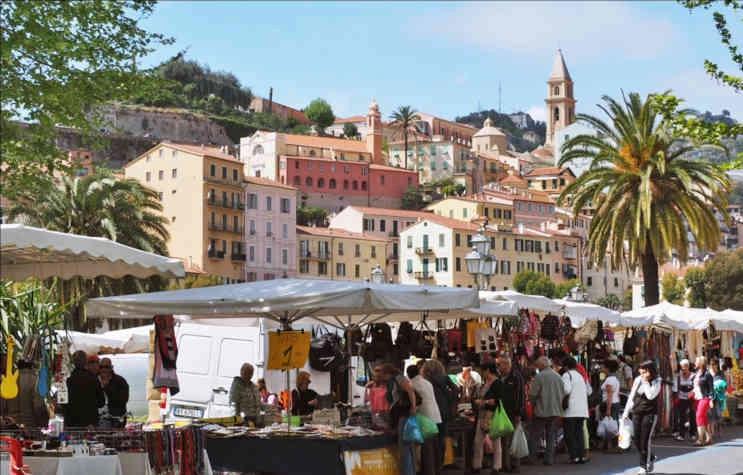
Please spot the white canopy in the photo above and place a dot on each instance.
(580, 312)
(137, 339)
(34, 252)
(289, 300)
(670, 315)
(729, 320)
(532, 302)
(92, 343)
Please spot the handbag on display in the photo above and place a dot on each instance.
(454, 340)
(631, 344)
(405, 338)
(326, 350)
(550, 327)
(424, 343)
(381, 342)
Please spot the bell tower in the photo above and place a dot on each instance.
(374, 135)
(560, 103)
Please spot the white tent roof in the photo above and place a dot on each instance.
(34, 252)
(670, 315)
(580, 312)
(91, 342)
(291, 300)
(729, 320)
(532, 302)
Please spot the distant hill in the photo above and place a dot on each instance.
(734, 146)
(524, 133)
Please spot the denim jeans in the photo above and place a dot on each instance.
(407, 450)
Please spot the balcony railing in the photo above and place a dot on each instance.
(314, 255)
(213, 254)
(226, 228)
(226, 204)
(237, 257)
(423, 275)
(221, 181)
(422, 251)
(570, 252)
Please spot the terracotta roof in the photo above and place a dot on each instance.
(190, 268)
(267, 182)
(404, 213)
(513, 179)
(336, 232)
(376, 166)
(483, 199)
(345, 145)
(201, 150)
(452, 223)
(542, 152)
(548, 171)
(352, 119)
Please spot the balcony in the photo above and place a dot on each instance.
(423, 275)
(226, 204)
(321, 256)
(423, 251)
(226, 228)
(393, 234)
(570, 252)
(213, 254)
(237, 257)
(221, 181)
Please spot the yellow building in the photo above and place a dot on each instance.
(495, 210)
(551, 180)
(335, 254)
(200, 189)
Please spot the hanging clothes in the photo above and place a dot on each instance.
(166, 353)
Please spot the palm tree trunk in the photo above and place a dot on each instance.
(650, 276)
(406, 148)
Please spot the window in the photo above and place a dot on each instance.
(148, 177)
(363, 186)
(557, 246)
(224, 173)
(433, 166)
(174, 173)
(284, 231)
(297, 181)
(340, 270)
(547, 267)
(286, 204)
(322, 167)
(410, 242)
(269, 251)
(464, 212)
(381, 179)
(224, 246)
(562, 181)
(441, 240)
(331, 184)
(345, 184)
(268, 203)
(160, 175)
(234, 174)
(557, 267)
(304, 266)
(321, 182)
(410, 180)
(252, 201)
(487, 212)
(257, 150)
(355, 185)
(469, 240)
(364, 171)
(382, 225)
(554, 185)
(308, 181)
(346, 169)
(458, 264)
(285, 257)
(442, 264)
(395, 269)
(251, 253)
(357, 250)
(589, 281)
(235, 223)
(457, 239)
(160, 196)
(322, 268)
(340, 248)
(547, 247)
(445, 165)
(268, 229)
(374, 251)
(252, 226)
(357, 271)
(557, 113)
(296, 165)
(409, 266)
(557, 91)
(492, 243)
(224, 222)
(212, 170)
(616, 282)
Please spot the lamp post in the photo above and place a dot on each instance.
(377, 275)
(577, 294)
(480, 263)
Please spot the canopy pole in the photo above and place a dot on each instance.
(349, 350)
(286, 326)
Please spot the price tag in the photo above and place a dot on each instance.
(288, 349)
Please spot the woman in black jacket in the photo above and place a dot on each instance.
(642, 404)
(484, 406)
(704, 392)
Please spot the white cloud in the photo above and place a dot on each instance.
(537, 113)
(703, 93)
(584, 30)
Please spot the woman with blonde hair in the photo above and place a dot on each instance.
(304, 399)
(703, 392)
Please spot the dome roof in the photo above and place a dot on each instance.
(489, 130)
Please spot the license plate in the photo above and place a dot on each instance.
(191, 412)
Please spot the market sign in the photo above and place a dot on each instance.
(288, 349)
(372, 462)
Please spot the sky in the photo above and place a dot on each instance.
(450, 58)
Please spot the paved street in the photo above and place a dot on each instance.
(674, 458)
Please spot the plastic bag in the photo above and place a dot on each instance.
(625, 433)
(448, 452)
(519, 445)
(411, 432)
(607, 428)
(427, 426)
(500, 425)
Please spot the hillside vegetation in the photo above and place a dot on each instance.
(516, 135)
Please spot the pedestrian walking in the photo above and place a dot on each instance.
(546, 391)
(642, 406)
(576, 412)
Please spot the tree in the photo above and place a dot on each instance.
(724, 274)
(562, 289)
(413, 199)
(645, 191)
(542, 285)
(311, 216)
(320, 112)
(193, 282)
(610, 301)
(350, 131)
(522, 279)
(403, 121)
(60, 61)
(673, 288)
(696, 280)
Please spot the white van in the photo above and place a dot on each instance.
(134, 368)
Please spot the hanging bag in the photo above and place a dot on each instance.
(381, 342)
(411, 431)
(631, 344)
(427, 426)
(519, 445)
(425, 340)
(500, 425)
(326, 350)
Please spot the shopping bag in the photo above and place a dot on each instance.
(625, 433)
(411, 432)
(519, 445)
(500, 424)
(448, 451)
(428, 427)
(607, 428)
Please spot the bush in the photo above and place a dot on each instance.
(522, 279)
(543, 285)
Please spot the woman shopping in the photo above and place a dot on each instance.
(576, 411)
(642, 405)
(703, 392)
(488, 398)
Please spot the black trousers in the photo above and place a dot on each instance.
(686, 413)
(574, 437)
(644, 427)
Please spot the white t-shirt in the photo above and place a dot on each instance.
(614, 383)
(428, 407)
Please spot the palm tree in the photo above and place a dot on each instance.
(645, 190)
(403, 120)
(100, 204)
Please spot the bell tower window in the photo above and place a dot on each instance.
(557, 91)
(557, 113)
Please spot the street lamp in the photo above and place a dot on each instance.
(377, 275)
(480, 263)
(577, 294)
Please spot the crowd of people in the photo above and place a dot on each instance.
(97, 396)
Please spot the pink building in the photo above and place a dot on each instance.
(270, 229)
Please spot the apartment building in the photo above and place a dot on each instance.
(434, 158)
(530, 208)
(335, 254)
(550, 180)
(270, 230)
(433, 252)
(382, 223)
(201, 190)
(494, 209)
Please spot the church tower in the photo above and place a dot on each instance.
(374, 136)
(560, 102)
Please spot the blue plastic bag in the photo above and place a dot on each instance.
(411, 432)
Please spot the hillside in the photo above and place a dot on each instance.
(523, 137)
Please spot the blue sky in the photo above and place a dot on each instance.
(446, 58)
